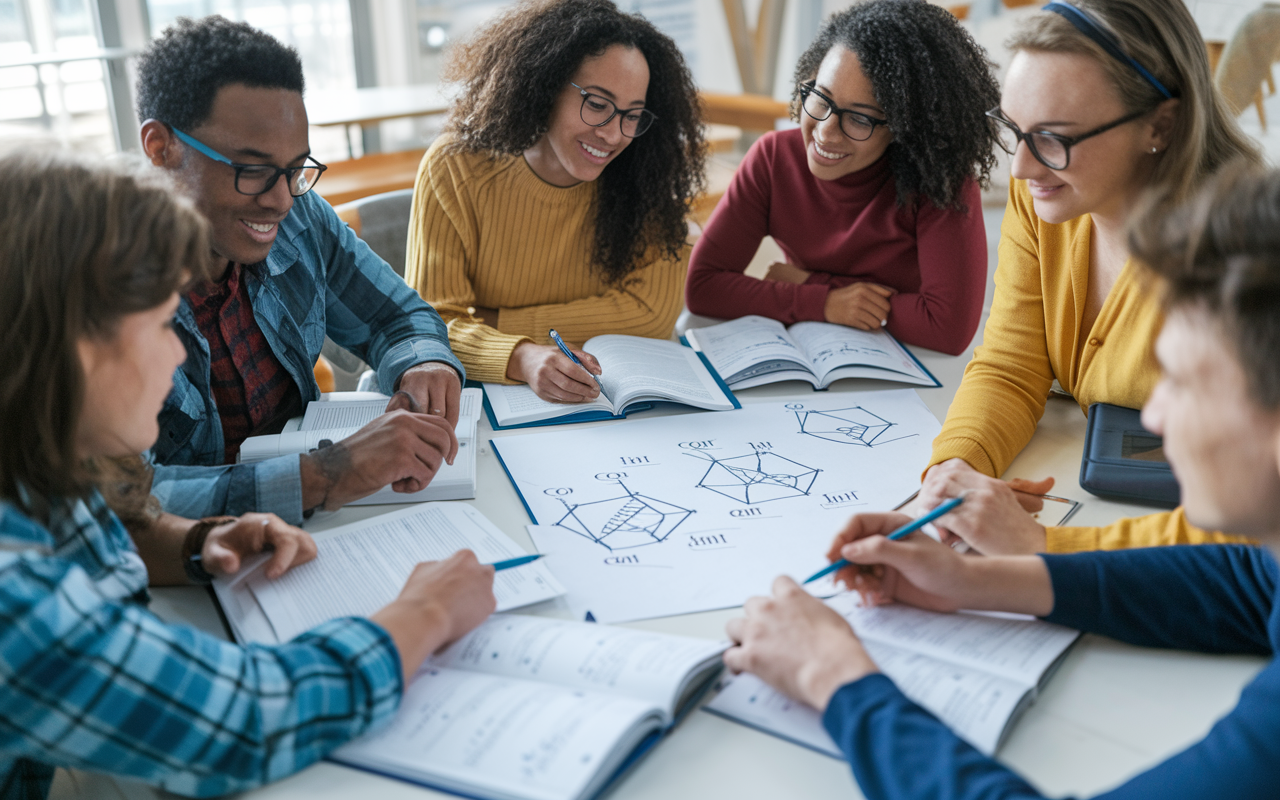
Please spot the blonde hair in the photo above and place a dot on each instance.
(1161, 36)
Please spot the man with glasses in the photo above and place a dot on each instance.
(223, 112)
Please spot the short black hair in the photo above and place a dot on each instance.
(935, 84)
(181, 72)
(1219, 251)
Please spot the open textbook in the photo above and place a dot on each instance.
(975, 672)
(341, 414)
(636, 373)
(753, 350)
(528, 708)
(360, 567)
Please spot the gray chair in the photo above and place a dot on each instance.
(382, 221)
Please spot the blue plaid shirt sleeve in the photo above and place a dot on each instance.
(95, 684)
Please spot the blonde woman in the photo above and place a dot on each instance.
(1104, 101)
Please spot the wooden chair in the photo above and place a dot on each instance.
(1244, 66)
(356, 178)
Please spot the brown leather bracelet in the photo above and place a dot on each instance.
(193, 547)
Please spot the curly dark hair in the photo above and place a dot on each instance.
(513, 71)
(183, 69)
(935, 85)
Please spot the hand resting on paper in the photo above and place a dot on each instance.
(228, 545)
(552, 376)
(861, 305)
(924, 573)
(401, 448)
(440, 603)
(995, 518)
(796, 644)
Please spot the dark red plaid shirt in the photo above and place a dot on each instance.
(254, 394)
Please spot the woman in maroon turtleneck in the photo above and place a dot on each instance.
(874, 199)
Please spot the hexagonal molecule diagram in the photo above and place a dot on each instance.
(854, 425)
(757, 478)
(628, 520)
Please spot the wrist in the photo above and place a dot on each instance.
(821, 678)
(193, 549)
(515, 364)
(418, 630)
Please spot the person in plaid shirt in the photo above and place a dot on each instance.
(223, 112)
(92, 258)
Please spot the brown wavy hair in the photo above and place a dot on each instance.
(83, 244)
(513, 70)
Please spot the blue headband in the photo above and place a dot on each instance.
(1088, 27)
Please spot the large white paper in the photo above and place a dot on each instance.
(693, 512)
(361, 567)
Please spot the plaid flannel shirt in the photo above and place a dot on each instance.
(319, 279)
(90, 679)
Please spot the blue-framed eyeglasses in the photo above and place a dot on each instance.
(256, 179)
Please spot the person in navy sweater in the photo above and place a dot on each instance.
(1218, 407)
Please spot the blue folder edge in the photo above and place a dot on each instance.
(493, 443)
(937, 384)
(637, 755)
(597, 416)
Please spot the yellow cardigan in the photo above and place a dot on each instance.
(1032, 337)
(488, 232)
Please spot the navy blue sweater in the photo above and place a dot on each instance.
(1210, 598)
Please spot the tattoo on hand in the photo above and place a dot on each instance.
(331, 463)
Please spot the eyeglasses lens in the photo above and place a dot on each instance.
(596, 111)
(1052, 152)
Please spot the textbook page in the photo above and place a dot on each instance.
(977, 705)
(653, 667)
(517, 403)
(494, 737)
(635, 368)
(831, 347)
(361, 567)
(694, 512)
(748, 347)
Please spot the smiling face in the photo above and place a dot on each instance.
(1105, 172)
(249, 126)
(572, 151)
(829, 152)
(127, 376)
(1224, 448)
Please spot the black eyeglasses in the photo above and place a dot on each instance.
(256, 179)
(856, 125)
(1051, 149)
(598, 111)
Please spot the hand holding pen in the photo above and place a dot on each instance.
(553, 374)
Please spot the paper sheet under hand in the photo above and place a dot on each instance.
(361, 567)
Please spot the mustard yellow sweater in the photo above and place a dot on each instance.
(1032, 337)
(487, 232)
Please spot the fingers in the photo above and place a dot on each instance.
(861, 526)
(451, 398)
(402, 400)
(589, 361)
(562, 381)
(883, 291)
(1028, 492)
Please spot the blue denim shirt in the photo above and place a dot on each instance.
(318, 279)
(90, 679)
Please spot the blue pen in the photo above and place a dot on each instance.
(499, 566)
(564, 348)
(911, 527)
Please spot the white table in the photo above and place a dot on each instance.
(1111, 711)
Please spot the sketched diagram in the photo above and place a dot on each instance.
(756, 478)
(854, 425)
(628, 520)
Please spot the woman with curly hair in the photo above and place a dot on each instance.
(556, 197)
(874, 200)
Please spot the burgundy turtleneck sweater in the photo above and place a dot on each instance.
(843, 231)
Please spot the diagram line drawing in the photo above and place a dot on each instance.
(623, 521)
(855, 425)
(756, 477)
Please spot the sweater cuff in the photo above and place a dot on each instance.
(483, 350)
(811, 302)
(966, 450)
(1077, 593)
